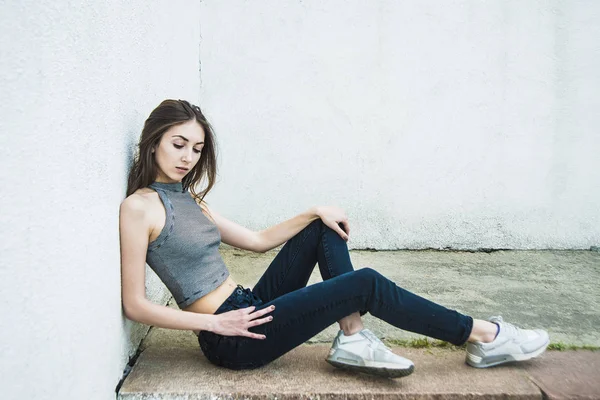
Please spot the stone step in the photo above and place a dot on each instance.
(184, 373)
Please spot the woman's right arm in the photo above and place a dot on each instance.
(134, 228)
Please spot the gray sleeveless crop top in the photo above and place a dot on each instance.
(185, 255)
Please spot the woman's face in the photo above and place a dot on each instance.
(178, 151)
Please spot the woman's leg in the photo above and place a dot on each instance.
(292, 266)
(294, 263)
(301, 314)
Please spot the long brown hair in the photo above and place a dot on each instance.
(170, 113)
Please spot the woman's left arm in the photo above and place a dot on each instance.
(267, 239)
(331, 216)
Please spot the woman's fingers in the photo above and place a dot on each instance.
(261, 321)
(262, 312)
(346, 227)
(257, 322)
(237, 322)
(340, 231)
(254, 335)
(247, 310)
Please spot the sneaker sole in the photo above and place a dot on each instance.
(485, 362)
(378, 371)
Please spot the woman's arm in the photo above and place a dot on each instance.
(134, 229)
(277, 234)
(331, 216)
(267, 239)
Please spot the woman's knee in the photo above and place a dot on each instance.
(312, 229)
(365, 282)
(317, 227)
(367, 275)
(316, 224)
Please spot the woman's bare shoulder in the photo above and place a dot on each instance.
(139, 202)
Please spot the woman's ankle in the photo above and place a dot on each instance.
(483, 331)
(351, 324)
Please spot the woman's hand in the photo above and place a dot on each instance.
(332, 216)
(237, 322)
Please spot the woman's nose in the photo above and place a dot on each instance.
(187, 156)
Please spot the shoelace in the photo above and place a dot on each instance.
(509, 328)
(374, 340)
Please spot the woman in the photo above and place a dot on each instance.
(178, 235)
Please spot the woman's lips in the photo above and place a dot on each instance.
(183, 170)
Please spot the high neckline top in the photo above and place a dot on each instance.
(171, 187)
(185, 255)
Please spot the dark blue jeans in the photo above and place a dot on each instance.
(303, 311)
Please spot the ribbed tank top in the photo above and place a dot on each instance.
(185, 255)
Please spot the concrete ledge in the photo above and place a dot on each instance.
(568, 375)
(184, 373)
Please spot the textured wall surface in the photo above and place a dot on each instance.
(77, 81)
(459, 124)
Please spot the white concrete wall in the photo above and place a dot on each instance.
(78, 79)
(462, 124)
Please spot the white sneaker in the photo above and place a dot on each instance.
(511, 344)
(364, 352)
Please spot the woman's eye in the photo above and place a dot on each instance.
(180, 146)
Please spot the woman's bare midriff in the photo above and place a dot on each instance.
(211, 302)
